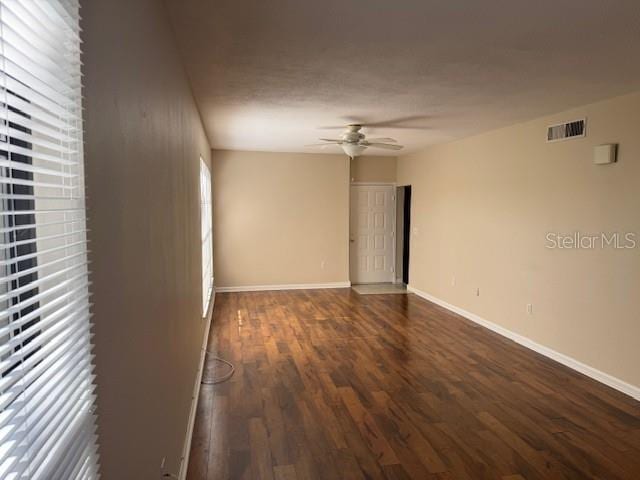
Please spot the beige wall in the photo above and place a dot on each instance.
(482, 208)
(143, 142)
(280, 218)
(373, 169)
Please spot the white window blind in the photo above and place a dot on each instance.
(207, 235)
(47, 424)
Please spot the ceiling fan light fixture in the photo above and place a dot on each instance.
(353, 149)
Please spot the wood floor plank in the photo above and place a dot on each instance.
(330, 384)
(201, 438)
(218, 465)
(369, 430)
(285, 472)
(409, 437)
(261, 464)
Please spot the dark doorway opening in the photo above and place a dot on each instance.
(403, 232)
(406, 233)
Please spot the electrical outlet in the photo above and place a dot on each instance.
(478, 292)
(529, 308)
(453, 281)
(322, 264)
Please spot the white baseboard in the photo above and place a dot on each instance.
(572, 363)
(293, 286)
(184, 461)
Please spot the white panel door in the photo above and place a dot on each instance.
(372, 230)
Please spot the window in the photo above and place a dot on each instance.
(47, 423)
(207, 235)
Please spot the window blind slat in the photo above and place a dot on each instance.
(54, 12)
(23, 167)
(36, 312)
(20, 196)
(39, 128)
(37, 99)
(35, 40)
(20, 36)
(52, 352)
(20, 258)
(39, 114)
(76, 467)
(38, 24)
(74, 461)
(48, 377)
(47, 424)
(44, 71)
(53, 412)
(33, 364)
(59, 148)
(42, 239)
(72, 385)
(47, 328)
(49, 383)
(44, 211)
(28, 183)
(43, 267)
(34, 154)
(20, 73)
(60, 423)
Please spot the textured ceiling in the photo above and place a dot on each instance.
(266, 74)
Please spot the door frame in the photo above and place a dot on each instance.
(395, 234)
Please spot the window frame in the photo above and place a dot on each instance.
(206, 237)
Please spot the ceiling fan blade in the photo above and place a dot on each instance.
(408, 122)
(334, 140)
(386, 146)
(348, 120)
(324, 144)
(381, 140)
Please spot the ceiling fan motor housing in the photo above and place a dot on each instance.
(352, 135)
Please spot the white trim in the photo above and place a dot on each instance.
(572, 363)
(292, 286)
(186, 450)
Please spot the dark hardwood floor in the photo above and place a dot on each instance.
(335, 385)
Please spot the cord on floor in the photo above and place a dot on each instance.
(224, 377)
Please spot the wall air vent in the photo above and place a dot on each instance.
(565, 131)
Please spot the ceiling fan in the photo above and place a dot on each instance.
(353, 142)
